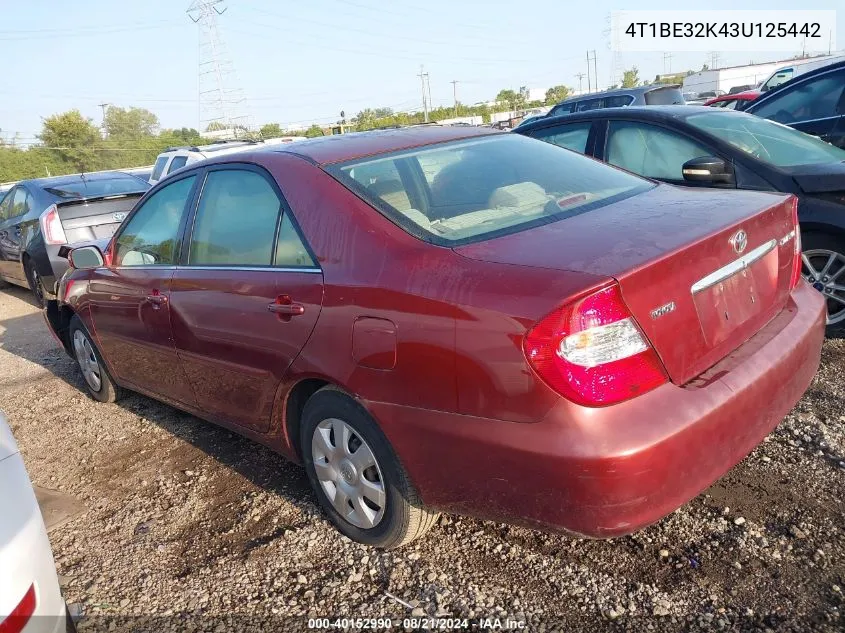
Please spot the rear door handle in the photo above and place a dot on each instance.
(157, 300)
(284, 306)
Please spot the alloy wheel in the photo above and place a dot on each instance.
(87, 360)
(349, 473)
(825, 271)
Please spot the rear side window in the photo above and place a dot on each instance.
(152, 233)
(649, 150)
(664, 96)
(158, 168)
(573, 136)
(177, 163)
(473, 189)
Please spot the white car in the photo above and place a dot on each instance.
(30, 598)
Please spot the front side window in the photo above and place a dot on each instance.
(649, 150)
(236, 220)
(151, 235)
(573, 136)
(816, 98)
(158, 168)
(618, 102)
(488, 186)
(770, 142)
(565, 108)
(778, 78)
(590, 104)
(6, 205)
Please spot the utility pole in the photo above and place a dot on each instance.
(714, 60)
(591, 57)
(104, 106)
(428, 85)
(220, 99)
(580, 78)
(454, 83)
(423, 75)
(667, 57)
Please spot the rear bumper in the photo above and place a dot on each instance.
(611, 471)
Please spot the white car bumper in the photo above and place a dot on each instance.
(26, 560)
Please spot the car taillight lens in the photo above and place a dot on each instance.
(21, 614)
(592, 352)
(796, 258)
(51, 226)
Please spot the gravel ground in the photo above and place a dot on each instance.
(199, 529)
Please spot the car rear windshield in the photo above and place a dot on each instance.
(771, 142)
(664, 96)
(475, 189)
(101, 187)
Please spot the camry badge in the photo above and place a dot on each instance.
(663, 310)
(739, 241)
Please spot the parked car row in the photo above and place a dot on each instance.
(722, 149)
(457, 319)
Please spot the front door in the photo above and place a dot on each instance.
(130, 298)
(246, 298)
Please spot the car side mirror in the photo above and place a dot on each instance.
(707, 169)
(85, 258)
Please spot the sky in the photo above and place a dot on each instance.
(303, 62)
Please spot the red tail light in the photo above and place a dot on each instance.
(51, 226)
(592, 352)
(21, 614)
(796, 259)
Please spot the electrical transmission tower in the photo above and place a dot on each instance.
(222, 104)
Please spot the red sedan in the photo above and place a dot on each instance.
(736, 101)
(454, 319)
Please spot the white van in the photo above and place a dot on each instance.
(797, 68)
(174, 158)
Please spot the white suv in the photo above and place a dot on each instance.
(174, 158)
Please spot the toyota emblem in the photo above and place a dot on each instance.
(119, 216)
(739, 241)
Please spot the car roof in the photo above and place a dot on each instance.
(649, 113)
(340, 148)
(639, 90)
(57, 181)
(745, 94)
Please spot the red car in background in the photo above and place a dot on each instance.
(737, 101)
(454, 319)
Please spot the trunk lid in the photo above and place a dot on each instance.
(94, 219)
(694, 295)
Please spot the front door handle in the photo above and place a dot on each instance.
(284, 306)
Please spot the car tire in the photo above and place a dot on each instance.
(98, 381)
(826, 255)
(400, 517)
(36, 286)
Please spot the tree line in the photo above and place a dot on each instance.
(132, 137)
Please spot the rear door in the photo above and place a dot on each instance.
(130, 297)
(245, 298)
(18, 203)
(815, 105)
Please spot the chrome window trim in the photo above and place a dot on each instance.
(723, 273)
(143, 267)
(273, 269)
